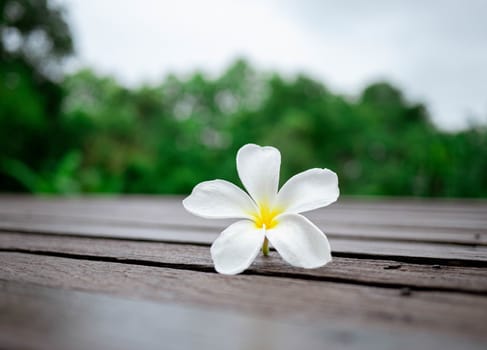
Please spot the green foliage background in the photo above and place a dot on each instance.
(88, 133)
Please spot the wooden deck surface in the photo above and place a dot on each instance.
(136, 273)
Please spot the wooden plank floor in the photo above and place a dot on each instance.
(136, 272)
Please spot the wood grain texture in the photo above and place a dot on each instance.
(458, 222)
(343, 229)
(425, 214)
(475, 255)
(135, 272)
(290, 300)
(383, 273)
(36, 317)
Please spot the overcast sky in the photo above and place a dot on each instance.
(435, 50)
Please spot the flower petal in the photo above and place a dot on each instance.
(258, 168)
(236, 247)
(299, 241)
(219, 199)
(311, 189)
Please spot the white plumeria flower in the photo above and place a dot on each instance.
(268, 215)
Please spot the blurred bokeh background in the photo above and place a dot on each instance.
(156, 96)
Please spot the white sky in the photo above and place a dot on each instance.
(435, 50)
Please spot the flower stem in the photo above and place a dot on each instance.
(265, 247)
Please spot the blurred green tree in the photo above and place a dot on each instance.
(88, 133)
(33, 42)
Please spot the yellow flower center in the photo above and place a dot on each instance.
(266, 216)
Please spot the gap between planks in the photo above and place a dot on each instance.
(419, 252)
(365, 271)
(425, 213)
(173, 214)
(345, 231)
(294, 300)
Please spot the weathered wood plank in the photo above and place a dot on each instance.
(292, 300)
(378, 248)
(344, 230)
(350, 202)
(164, 209)
(380, 284)
(349, 221)
(385, 273)
(52, 319)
